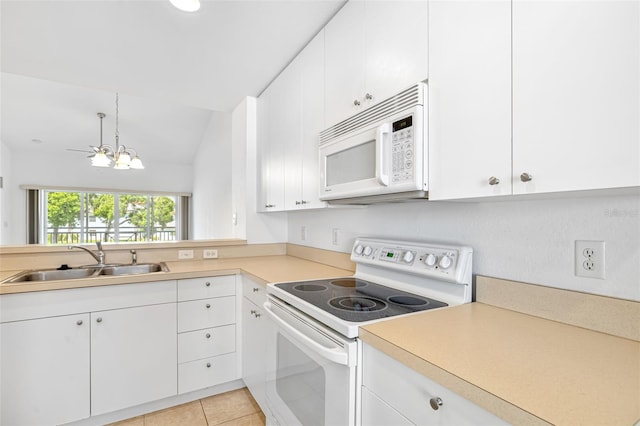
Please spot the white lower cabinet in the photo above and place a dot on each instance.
(206, 332)
(133, 356)
(393, 393)
(44, 370)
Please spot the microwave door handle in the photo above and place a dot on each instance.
(334, 355)
(382, 153)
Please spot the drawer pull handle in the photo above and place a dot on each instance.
(208, 365)
(99, 319)
(253, 312)
(436, 402)
(257, 315)
(208, 335)
(208, 305)
(256, 289)
(526, 177)
(208, 284)
(494, 180)
(79, 322)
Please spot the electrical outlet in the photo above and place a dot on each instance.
(335, 236)
(185, 254)
(303, 233)
(589, 259)
(210, 254)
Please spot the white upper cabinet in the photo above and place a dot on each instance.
(576, 94)
(469, 99)
(373, 49)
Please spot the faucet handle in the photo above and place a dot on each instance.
(99, 245)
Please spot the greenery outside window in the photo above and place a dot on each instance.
(76, 217)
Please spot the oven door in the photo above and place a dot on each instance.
(311, 370)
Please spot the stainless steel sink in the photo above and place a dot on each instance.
(86, 272)
(53, 274)
(140, 268)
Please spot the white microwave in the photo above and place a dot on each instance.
(378, 155)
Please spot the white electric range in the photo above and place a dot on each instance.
(313, 351)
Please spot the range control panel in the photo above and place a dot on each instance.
(452, 263)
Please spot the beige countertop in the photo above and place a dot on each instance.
(265, 268)
(525, 369)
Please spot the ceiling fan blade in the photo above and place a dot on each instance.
(79, 150)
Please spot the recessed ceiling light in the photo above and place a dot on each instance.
(186, 5)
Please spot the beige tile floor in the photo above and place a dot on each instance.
(235, 408)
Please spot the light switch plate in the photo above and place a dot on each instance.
(185, 254)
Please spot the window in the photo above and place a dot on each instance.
(74, 217)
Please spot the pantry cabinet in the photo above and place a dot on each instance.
(44, 366)
(393, 393)
(133, 356)
(373, 50)
(533, 97)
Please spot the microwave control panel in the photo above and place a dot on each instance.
(402, 149)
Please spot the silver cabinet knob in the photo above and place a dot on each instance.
(253, 312)
(208, 305)
(268, 206)
(208, 365)
(368, 96)
(99, 319)
(435, 402)
(208, 335)
(494, 180)
(258, 315)
(303, 202)
(79, 322)
(256, 289)
(526, 177)
(356, 103)
(298, 203)
(208, 284)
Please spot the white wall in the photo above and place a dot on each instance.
(7, 192)
(211, 203)
(524, 240)
(75, 171)
(255, 227)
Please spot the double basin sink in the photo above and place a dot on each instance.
(89, 271)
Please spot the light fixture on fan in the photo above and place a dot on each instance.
(121, 155)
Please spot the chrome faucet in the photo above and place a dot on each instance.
(97, 255)
(134, 257)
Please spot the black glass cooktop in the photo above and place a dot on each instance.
(356, 300)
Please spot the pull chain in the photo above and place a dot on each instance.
(117, 133)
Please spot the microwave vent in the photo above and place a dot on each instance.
(406, 99)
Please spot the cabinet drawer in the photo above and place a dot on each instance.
(409, 393)
(255, 292)
(206, 343)
(204, 288)
(206, 313)
(207, 372)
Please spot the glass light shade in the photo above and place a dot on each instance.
(123, 160)
(100, 160)
(136, 163)
(186, 5)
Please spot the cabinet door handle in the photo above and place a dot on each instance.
(256, 289)
(368, 96)
(208, 335)
(208, 365)
(303, 202)
(257, 315)
(356, 102)
(268, 206)
(494, 180)
(253, 312)
(79, 322)
(298, 203)
(435, 402)
(99, 319)
(526, 177)
(208, 305)
(208, 284)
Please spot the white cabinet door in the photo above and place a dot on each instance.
(469, 99)
(376, 412)
(576, 85)
(344, 55)
(44, 366)
(312, 76)
(289, 124)
(373, 50)
(254, 340)
(396, 52)
(133, 356)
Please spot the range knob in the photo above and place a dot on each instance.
(358, 250)
(367, 251)
(445, 262)
(430, 260)
(408, 257)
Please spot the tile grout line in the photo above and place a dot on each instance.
(203, 412)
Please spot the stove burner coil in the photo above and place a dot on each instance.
(357, 304)
(408, 300)
(348, 282)
(309, 287)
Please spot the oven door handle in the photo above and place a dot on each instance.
(338, 356)
(383, 153)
